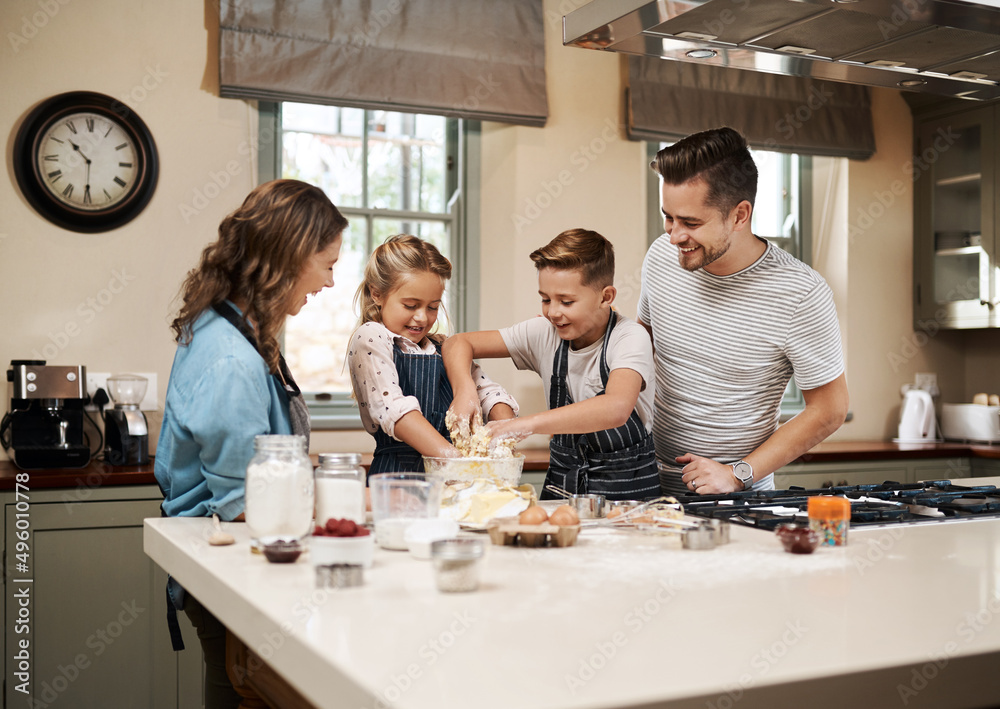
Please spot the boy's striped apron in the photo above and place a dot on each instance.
(619, 463)
(422, 376)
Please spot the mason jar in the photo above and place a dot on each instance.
(340, 488)
(280, 492)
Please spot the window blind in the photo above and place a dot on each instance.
(667, 100)
(475, 60)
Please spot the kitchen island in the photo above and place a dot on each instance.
(903, 616)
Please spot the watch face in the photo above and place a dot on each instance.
(87, 161)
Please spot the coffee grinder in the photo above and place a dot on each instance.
(126, 436)
(43, 427)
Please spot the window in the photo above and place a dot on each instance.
(388, 173)
(781, 214)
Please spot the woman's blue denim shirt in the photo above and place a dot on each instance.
(219, 397)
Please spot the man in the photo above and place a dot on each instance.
(732, 318)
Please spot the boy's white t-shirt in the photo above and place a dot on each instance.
(533, 344)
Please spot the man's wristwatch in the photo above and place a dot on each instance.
(743, 472)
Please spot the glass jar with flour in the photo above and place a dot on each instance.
(280, 492)
(340, 488)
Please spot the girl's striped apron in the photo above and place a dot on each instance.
(619, 463)
(422, 376)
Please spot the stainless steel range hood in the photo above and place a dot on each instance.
(930, 46)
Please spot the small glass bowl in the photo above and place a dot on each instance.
(797, 538)
(282, 552)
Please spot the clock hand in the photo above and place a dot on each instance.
(86, 189)
(77, 149)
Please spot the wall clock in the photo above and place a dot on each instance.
(85, 161)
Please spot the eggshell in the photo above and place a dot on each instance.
(533, 515)
(564, 516)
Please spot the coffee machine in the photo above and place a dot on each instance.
(43, 427)
(126, 435)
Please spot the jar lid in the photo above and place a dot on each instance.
(339, 575)
(829, 507)
(457, 549)
(340, 458)
(279, 442)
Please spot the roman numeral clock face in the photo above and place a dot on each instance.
(85, 162)
(88, 161)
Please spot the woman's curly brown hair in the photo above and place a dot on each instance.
(261, 249)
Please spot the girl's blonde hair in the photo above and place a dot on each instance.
(400, 256)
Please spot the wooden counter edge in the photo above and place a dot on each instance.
(98, 474)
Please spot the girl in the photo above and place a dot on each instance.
(396, 368)
(229, 381)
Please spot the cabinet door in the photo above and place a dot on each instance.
(955, 222)
(95, 608)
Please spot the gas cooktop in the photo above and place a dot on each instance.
(871, 505)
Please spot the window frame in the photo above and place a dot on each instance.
(339, 411)
(792, 401)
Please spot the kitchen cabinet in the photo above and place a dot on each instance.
(955, 217)
(94, 613)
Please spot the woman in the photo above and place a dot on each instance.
(229, 382)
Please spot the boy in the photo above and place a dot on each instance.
(596, 365)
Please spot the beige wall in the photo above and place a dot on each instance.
(158, 59)
(577, 171)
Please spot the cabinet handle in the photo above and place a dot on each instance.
(827, 483)
(989, 303)
(842, 483)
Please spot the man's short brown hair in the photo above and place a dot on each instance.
(720, 157)
(582, 250)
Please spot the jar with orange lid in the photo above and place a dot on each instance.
(830, 517)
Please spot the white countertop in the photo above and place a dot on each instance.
(624, 620)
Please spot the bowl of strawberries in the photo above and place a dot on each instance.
(341, 541)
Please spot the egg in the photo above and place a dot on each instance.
(533, 515)
(615, 512)
(564, 516)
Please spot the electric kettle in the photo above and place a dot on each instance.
(916, 418)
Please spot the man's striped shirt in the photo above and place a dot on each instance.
(725, 348)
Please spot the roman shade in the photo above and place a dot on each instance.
(477, 60)
(667, 100)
